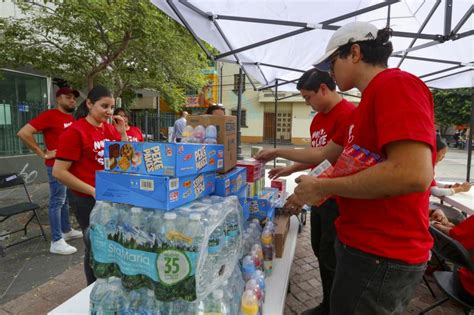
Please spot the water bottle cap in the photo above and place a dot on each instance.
(136, 210)
(267, 237)
(218, 294)
(195, 216)
(150, 293)
(170, 215)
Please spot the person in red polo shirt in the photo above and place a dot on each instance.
(81, 153)
(52, 123)
(383, 242)
(134, 134)
(319, 91)
(464, 234)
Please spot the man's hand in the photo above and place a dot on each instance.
(266, 155)
(276, 172)
(50, 154)
(310, 190)
(293, 205)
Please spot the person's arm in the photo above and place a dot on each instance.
(119, 124)
(442, 192)
(287, 170)
(62, 173)
(26, 135)
(312, 156)
(407, 169)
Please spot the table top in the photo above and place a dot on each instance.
(463, 201)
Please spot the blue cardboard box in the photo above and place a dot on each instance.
(231, 182)
(158, 192)
(242, 195)
(263, 205)
(163, 158)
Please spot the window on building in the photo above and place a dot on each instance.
(236, 83)
(243, 118)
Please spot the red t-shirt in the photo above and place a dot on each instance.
(395, 106)
(83, 144)
(464, 234)
(134, 134)
(325, 125)
(52, 124)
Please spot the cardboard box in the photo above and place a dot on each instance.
(242, 195)
(280, 184)
(263, 205)
(282, 225)
(255, 169)
(148, 191)
(226, 134)
(231, 182)
(162, 158)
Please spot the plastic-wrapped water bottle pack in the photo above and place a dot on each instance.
(183, 254)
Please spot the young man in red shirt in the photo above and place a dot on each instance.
(383, 241)
(52, 123)
(319, 91)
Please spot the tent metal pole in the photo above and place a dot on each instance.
(277, 84)
(462, 20)
(440, 71)
(219, 29)
(361, 11)
(221, 66)
(469, 141)
(388, 16)
(448, 15)
(264, 42)
(279, 67)
(194, 8)
(429, 59)
(463, 34)
(239, 115)
(275, 121)
(183, 20)
(422, 27)
(448, 75)
(261, 72)
(426, 45)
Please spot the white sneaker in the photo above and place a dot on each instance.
(72, 235)
(62, 248)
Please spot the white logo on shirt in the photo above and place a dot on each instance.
(319, 138)
(351, 136)
(132, 139)
(67, 124)
(99, 151)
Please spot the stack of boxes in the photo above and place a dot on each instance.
(234, 182)
(158, 175)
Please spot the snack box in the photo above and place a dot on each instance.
(163, 158)
(149, 191)
(255, 169)
(280, 184)
(244, 202)
(263, 205)
(226, 134)
(231, 182)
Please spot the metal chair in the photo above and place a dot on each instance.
(13, 180)
(447, 249)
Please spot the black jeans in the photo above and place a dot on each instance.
(367, 284)
(83, 206)
(323, 236)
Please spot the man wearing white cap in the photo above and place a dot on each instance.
(383, 240)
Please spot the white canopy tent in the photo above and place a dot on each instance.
(274, 41)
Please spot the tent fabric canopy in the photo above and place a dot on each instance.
(442, 54)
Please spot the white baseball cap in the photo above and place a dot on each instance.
(349, 33)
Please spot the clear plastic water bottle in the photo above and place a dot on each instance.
(213, 304)
(259, 276)
(248, 268)
(232, 232)
(187, 134)
(257, 224)
(168, 227)
(268, 252)
(257, 258)
(211, 135)
(252, 284)
(215, 254)
(98, 292)
(199, 133)
(113, 301)
(149, 306)
(249, 303)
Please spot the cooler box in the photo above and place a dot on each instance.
(148, 191)
(162, 158)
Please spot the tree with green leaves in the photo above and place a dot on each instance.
(124, 44)
(452, 107)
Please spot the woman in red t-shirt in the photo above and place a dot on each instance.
(133, 133)
(80, 154)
